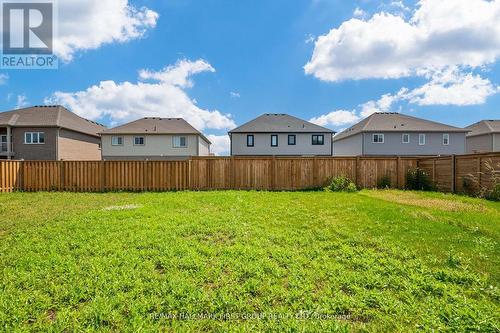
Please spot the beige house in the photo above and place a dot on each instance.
(48, 133)
(484, 137)
(154, 139)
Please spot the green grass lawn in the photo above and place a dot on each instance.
(239, 261)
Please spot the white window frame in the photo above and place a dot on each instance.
(446, 137)
(379, 135)
(403, 138)
(143, 141)
(420, 141)
(178, 144)
(274, 136)
(117, 143)
(31, 141)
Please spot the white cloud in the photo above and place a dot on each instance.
(452, 87)
(359, 13)
(235, 94)
(22, 101)
(165, 97)
(220, 144)
(336, 118)
(441, 33)
(384, 104)
(310, 38)
(85, 25)
(4, 78)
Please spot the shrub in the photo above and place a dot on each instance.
(341, 184)
(418, 180)
(384, 182)
(483, 191)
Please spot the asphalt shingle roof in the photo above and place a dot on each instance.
(155, 125)
(484, 127)
(395, 122)
(49, 116)
(279, 123)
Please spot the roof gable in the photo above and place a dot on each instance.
(484, 127)
(279, 123)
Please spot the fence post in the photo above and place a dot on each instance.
(453, 173)
(479, 161)
(103, 175)
(233, 174)
(357, 171)
(315, 172)
(61, 176)
(398, 162)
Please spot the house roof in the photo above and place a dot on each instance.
(49, 116)
(279, 123)
(484, 127)
(395, 122)
(155, 126)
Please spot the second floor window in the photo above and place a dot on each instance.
(446, 139)
(34, 138)
(274, 140)
(318, 140)
(117, 141)
(378, 138)
(250, 140)
(139, 141)
(180, 142)
(292, 140)
(406, 138)
(421, 139)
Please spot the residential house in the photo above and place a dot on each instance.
(484, 137)
(391, 133)
(48, 133)
(280, 135)
(154, 139)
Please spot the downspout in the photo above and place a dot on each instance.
(9, 144)
(57, 143)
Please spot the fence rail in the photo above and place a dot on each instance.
(246, 173)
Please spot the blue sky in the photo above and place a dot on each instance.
(222, 63)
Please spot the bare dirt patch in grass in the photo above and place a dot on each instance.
(414, 199)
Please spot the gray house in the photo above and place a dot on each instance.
(48, 133)
(280, 135)
(484, 137)
(391, 133)
(154, 139)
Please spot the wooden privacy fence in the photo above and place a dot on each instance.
(455, 173)
(207, 173)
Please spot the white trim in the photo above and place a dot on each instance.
(446, 137)
(403, 138)
(117, 143)
(31, 138)
(179, 145)
(420, 136)
(378, 134)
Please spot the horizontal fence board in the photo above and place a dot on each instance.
(241, 173)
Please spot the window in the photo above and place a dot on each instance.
(318, 140)
(446, 139)
(180, 142)
(406, 138)
(292, 140)
(250, 140)
(421, 139)
(139, 141)
(274, 140)
(117, 141)
(378, 138)
(34, 138)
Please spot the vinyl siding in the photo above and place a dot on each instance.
(35, 152)
(479, 143)
(433, 146)
(262, 145)
(203, 147)
(350, 146)
(496, 142)
(155, 145)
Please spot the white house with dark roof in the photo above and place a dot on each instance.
(391, 133)
(154, 139)
(280, 135)
(484, 137)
